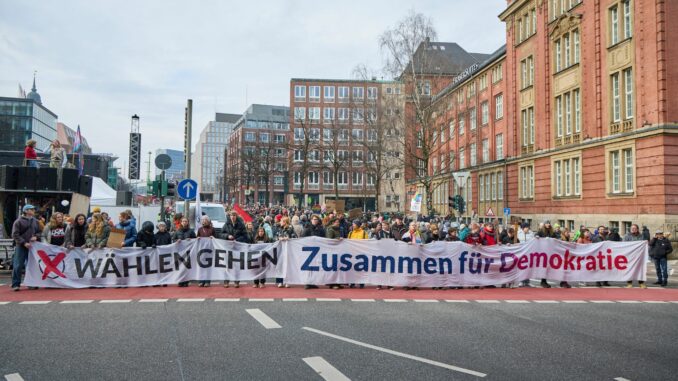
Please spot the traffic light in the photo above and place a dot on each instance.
(171, 189)
(461, 205)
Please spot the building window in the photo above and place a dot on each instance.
(575, 42)
(462, 158)
(358, 115)
(577, 111)
(371, 135)
(372, 93)
(357, 178)
(628, 93)
(343, 115)
(566, 177)
(314, 93)
(300, 114)
(628, 24)
(527, 120)
(264, 137)
(526, 182)
(343, 135)
(472, 118)
(328, 95)
(486, 150)
(313, 178)
(614, 25)
(358, 93)
(500, 186)
(314, 113)
(499, 146)
(343, 94)
(300, 93)
(481, 187)
(474, 155)
(497, 73)
(527, 72)
(621, 168)
(250, 136)
(483, 82)
(499, 106)
(616, 101)
(484, 113)
(462, 124)
(298, 134)
(328, 114)
(452, 129)
(279, 138)
(314, 134)
(342, 178)
(358, 134)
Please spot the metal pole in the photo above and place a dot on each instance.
(188, 128)
(162, 198)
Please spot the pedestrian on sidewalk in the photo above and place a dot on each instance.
(25, 231)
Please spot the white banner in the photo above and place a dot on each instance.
(323, 261)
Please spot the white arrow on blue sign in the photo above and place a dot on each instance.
(507, 211)
(187, 189)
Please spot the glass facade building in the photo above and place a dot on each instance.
(176, 171)
(23, 119)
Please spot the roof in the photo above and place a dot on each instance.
(379, 81)
(226, 118)
(447, 58)
(471, 70)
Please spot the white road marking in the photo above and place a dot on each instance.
(325, 369)
(655, 302)
(487, 301)
(35, 302)
(295, 299)
(395, 300)
(3, 284)
(262, 318)
(261, 299)
(426, 300)
(574, 301)
(152, 300)
(3, 303)
(14, 377)
(227, 299)
(628, 301)
(517, 301)
(546, 301)
(362, 300)
(602, 301)
(76, 301)
(396, 353)
(621, 379)
(112, 301)
(191, 300)
(327, 300)
(675, 301)
(457, 301)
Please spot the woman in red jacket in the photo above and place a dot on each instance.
(30, 157)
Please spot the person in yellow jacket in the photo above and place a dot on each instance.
(357, 232)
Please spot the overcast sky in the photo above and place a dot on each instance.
(100, 62)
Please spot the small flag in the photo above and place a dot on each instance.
(81, 163)
(198, 210)
(77, 142)
(243, 214)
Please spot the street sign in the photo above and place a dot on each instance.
(187, 189)
(507, 211)
(490, 212)
(163, 162)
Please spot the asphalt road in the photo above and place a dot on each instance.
(221, 340)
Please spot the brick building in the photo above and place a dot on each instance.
(256, 158)
(344, 143)
(589, 132)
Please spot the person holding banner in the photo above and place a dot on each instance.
(25, 230)
(315, 229)
(631, 236)
(76, 232)
(162, 237)
(125, 223)
(55, 231)
(183, 232)
(206, 230)
(412, 235)
(261, 237)
(97, 232)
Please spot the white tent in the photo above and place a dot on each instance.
(102, 194)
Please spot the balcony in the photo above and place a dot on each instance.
(621, 127)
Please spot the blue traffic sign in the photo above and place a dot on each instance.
(187, 189)
(507, 211)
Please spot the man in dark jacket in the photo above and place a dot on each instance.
(234, 229)
(315, 229)
(660, 248)
(25, 230)
(162, 237)
(146, 238)
(398, 228)
(334, 231)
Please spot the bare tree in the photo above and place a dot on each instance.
(266, 164)
(335, 151)
(303, 150)
(409, 57)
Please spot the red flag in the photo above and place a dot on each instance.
(243, 214)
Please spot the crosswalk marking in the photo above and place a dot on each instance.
(262, 318)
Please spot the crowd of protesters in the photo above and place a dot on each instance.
(271, 224)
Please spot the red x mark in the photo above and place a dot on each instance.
(51, 265)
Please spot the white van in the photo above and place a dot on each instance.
(215, 212)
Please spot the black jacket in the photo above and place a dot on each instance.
(163, 238)
(381, 234)
(314, 231)
(660, 248)
(182, 234)
(237, 230)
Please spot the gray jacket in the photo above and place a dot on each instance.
(25, 228)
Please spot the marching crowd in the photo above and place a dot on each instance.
(270, 224)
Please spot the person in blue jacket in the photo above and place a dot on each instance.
(129, 228)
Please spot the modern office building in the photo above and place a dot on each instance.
(208, 160)
(177, 171)
(22, 119)
(257, 156)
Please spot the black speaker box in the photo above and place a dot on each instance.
(26, 178)
(8, 177)
(47, 179)
(123, 198)
(68, 180)
(85, 186)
